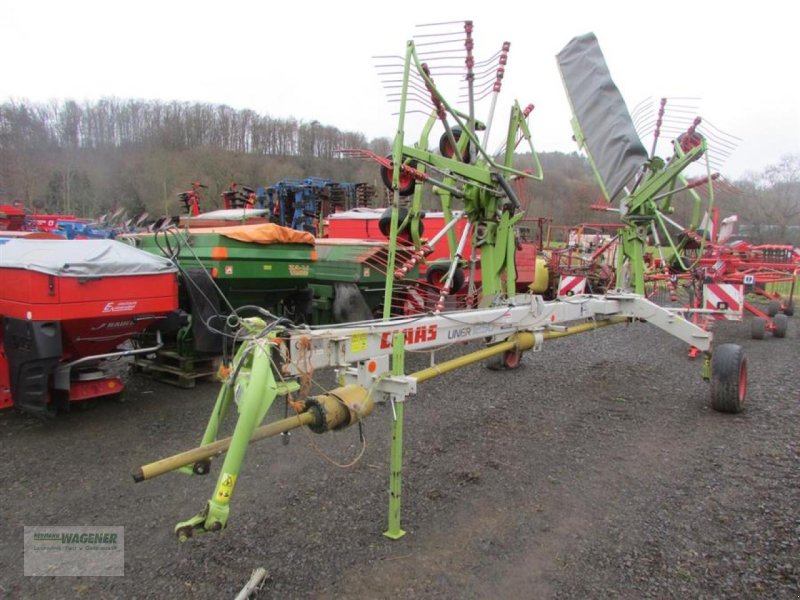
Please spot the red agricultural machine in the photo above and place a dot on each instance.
(65, 308)
(584, 260)
(721, 274)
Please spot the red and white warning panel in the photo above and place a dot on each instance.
(569, 285)
(725, 298)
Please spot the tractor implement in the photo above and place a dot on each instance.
(277, 358)
(66, 307)
(369, 358)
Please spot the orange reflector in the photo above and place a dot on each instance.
(219, 253)
(313, 256)
(372, 366)
(112, 383)
(214, 272)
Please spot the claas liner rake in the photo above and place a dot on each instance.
(276, 358)
(643, 187)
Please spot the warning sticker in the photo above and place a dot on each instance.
(226, 488)
(358, 342)
(298, 270)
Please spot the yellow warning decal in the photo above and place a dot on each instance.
(358, 342)
(298, 270)
(225, 489)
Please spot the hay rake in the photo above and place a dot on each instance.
(278, 359)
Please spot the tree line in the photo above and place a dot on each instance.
(92, 157)
(115, 123)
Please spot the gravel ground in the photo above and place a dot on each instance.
(596, 470)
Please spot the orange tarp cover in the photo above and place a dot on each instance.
(265, 233)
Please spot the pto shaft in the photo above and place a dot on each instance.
(524, 340)
(201, 453)
(335, 410)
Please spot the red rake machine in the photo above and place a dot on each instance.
(585, 261)
(276, 358)
(728, 273)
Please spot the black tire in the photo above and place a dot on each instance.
(407, 183)
(495, 363)
(781, 323)
(773, 308)
(789, 310)
(728, 378)
(758, 327)
(447, 149)
(437, 273)
(385, 222)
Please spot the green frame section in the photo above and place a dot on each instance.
(479, 181)
(252, 385)
(393, 530)
(645, 210)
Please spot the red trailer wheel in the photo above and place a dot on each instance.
(509, 360)
(406, 181)
(446, 148)
(512, 359)
(437, 274)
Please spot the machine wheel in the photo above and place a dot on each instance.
(406, 183)
(773, 308)
(437, 273)
(446, 148)
(507, 361)
(512, 359)
(789, 310)
(781, 323)
(385, 222)
(758, 327)
(728, 378)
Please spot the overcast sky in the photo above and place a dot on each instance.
(313, 60)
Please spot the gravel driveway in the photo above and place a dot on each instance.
(596, 470)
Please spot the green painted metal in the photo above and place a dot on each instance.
(646, 209)
(389, 291)
(394, 531)
(247, 273)
(264, 275)
(397, 159)
(253, 386)
(479, 181)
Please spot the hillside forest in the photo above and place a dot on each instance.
(94, 157)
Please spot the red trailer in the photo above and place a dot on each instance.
(14, 217)
(65, 308)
